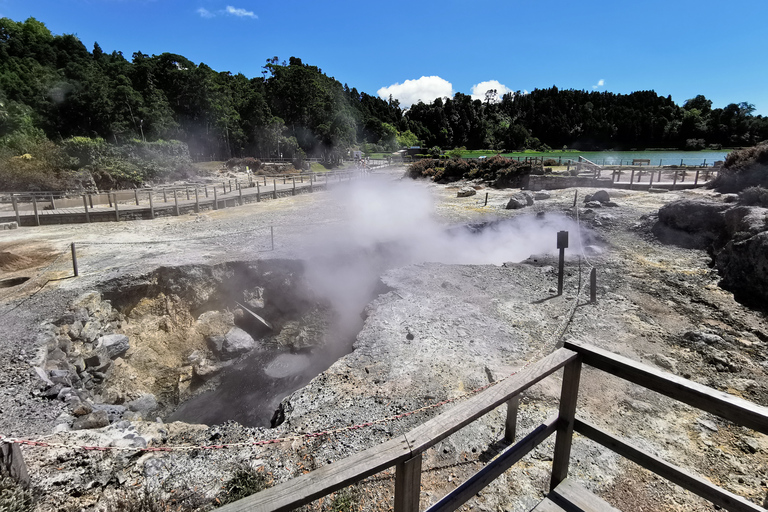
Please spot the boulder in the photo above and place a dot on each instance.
(96, 419)
(743, 266)
(692, 224)
(600, 196)
(113, 345)
(143, 405)
(541, 195)
(520, 200)
(466, 192)
(236, 343)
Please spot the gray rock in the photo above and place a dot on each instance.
(466, 192)
(519, 200)
(90, 331)
(144, 404)
(541, 195)
(236, 343)
(601, 196)
(96, 419)
(216, 344)
(80, 408)
(43, 376)
(113, 345)
(113, 412)
(593, 204)
(705, 338)
(665, 362)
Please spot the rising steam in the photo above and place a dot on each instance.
(391, 224)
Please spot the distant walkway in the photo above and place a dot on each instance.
(171, 201)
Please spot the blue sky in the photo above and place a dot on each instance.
(421, 50)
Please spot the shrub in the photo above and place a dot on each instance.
(754, 196)
(13, 497)
(742, 169)
(549, 162)
(246, 481)
(422, 168)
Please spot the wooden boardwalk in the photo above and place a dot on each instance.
(161, 203)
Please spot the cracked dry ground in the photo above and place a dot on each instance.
(655, 302)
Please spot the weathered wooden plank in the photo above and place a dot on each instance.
(435, 430)
(571, 496)
(306, 488)
(492, 470)
(408, 485)
(732, 408)
(681, 477)
(569, 395)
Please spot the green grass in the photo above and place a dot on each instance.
(14, 498)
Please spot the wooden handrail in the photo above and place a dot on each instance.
(306, 488)
(405, 452)
(727, 406)
(681, 477)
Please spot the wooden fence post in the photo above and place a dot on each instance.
(53, 203)
(568, 397)
(593, 286)
(176, 201)
(240, 190)
(205, 188)
(85, 205)
(293, 192)
(109, 199)
(408, 485)
(117, 212)
(510, 426)
(16, 209)
(696, 180)
(187, 189)
(136, 195)
(34, 205)
(674, 179)
(197, 201)
(165, 196)
(74, 259)
(258, 192)
(274, 189)
(215, 199)
(151, 207)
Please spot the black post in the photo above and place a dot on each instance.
(74, 259)
(593, 286)
(486, 199)
(562, 244)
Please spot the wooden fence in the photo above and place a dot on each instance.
(405, 452)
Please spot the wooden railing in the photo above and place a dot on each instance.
(405, 452)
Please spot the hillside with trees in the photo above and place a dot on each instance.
(53, 91)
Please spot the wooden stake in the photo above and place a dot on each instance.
(74, 259)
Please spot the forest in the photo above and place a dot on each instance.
(56, 95)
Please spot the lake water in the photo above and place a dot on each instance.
(626, 157)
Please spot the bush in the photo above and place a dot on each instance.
(754, 196)
(245, 482)
(423, 168)
(742, 169)
(13, 497)
(44, 167)
(453, 170)
(549, 162)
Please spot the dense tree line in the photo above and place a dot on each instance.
(553, 119)
(53, 88)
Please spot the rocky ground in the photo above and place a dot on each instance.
(441, 317)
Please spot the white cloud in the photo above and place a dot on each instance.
(479, 90)
(240, 13)
(205, 13)
(426, 89)
(600, 83)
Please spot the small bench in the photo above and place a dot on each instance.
(571, 497)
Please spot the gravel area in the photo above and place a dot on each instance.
(454, 309)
